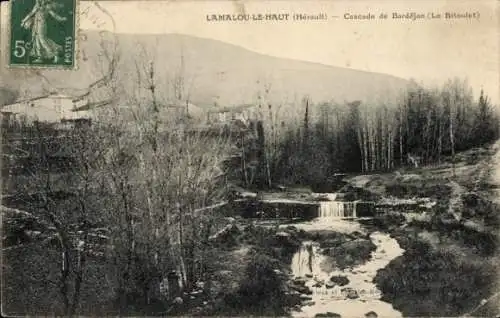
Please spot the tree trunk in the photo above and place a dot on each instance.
(452, 142)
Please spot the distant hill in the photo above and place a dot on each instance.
(213, 72)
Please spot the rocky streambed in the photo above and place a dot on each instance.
(328, 290)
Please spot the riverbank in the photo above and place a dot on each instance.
(440, 222)
(449, 267)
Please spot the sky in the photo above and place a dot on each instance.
(429, 50)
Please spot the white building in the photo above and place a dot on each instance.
(51, 108)
(243, 113)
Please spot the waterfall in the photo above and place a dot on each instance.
(307, 260)
(337, 209)
(310, 267)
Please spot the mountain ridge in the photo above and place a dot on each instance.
(213, 72)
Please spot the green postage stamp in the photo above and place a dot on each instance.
(42, 33)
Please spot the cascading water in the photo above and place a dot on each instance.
(308, 265)
(337, 209)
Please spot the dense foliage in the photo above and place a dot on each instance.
(425, 126)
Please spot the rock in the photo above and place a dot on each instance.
(299, 281)
(230, 219)
(178, 301)
(340, 280)
(350, 293)
(329, 285)
(277, 272)
(471, 199)
(297, 308)
(292, 228)
(200, 285)
(282, 234)
(305, 297)
(308, 275)
(371, 314)
(328, 314)
(348, 260)
(227, 234)
(310, 303)
(357, 234)
(301, 289)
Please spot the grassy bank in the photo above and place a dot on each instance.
(451, 251)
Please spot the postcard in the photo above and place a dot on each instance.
(250, 158)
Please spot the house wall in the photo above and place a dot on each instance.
(50, 109)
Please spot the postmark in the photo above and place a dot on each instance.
(43, 34)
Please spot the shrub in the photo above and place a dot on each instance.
(429, 282)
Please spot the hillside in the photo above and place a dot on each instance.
(213, 72)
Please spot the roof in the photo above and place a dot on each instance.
(89, 106)
(231, 109)
(63, 94)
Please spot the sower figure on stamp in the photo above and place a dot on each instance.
(42, 46)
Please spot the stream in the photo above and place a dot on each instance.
(360, 295)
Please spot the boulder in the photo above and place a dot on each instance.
(301, 289)
(309, 303)
(340, 280)
(329, 285)
(308, 275)
(350, 293)
(299, 281)
(371, 314)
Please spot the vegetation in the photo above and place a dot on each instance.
(423, 128)
(121, 215)
(427, 281)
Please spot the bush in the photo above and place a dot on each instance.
(428, 282)
(262, 291)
